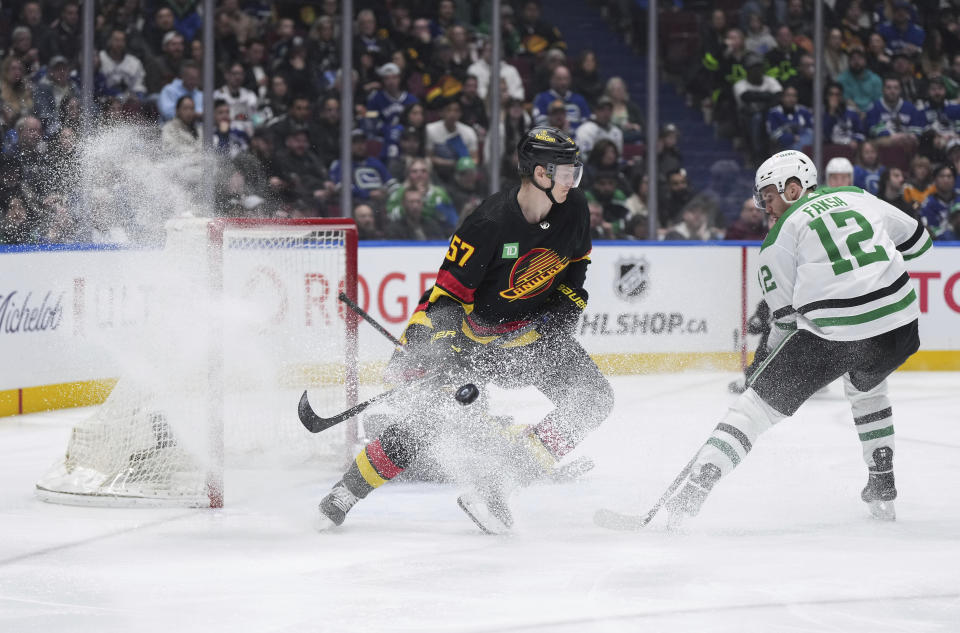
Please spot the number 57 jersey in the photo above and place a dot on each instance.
(833, 264)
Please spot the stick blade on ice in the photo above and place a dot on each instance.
(611, 520)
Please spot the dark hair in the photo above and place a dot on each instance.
(941, 167)
(218, 102)
(890, 77)
(884, 181)
(181, 100)
(189, 64)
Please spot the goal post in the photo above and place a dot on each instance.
(250, 318)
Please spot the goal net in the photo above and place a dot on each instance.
(244, 317)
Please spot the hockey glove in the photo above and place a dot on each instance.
(566, 305)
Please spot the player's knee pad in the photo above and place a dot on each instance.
(380, 461)
(734, 436)
(867, 403)
(399, 445)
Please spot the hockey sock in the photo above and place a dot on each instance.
(735, 435)
(873, 417)
(379, 462)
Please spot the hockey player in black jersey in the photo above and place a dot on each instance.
(504, 308)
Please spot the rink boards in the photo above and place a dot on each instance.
(660, 307)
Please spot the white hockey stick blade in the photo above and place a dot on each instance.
(623, 522)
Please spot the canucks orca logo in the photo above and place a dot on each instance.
(534, 273)
(631, 278)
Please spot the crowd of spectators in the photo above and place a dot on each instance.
(892, 74)
(419, 135)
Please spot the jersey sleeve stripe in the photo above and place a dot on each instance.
(782, 312)
(906, 246)
(923, 249)
(857, 301)
(580, 259)
(452, 286)
(872, 315)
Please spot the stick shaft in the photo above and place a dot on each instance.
(369, 319)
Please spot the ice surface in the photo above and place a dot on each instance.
(783, 544)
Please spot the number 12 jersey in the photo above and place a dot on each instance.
(833, 264)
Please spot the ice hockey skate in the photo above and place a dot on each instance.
(488, 508)
(881, 490)
(687, 502)
(334, 507)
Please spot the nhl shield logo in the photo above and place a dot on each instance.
(631, 277)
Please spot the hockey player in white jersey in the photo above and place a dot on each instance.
(832, 271)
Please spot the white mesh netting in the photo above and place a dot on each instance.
(243, 356)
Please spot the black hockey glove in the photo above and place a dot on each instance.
(447, 349)
(562, 312)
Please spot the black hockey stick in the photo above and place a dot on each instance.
(466, 394)
(369, 319)
(314, 423)
(612, 520)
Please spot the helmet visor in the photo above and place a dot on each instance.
(758, 200)
(568, 175)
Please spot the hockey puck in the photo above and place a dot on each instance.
(467, 393)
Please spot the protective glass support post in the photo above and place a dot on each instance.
(818, 86)
(496, 54)
(652, 120)
(346, 108)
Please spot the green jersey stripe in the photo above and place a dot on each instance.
(872, 315)
(922, 250)
(872, 435)
(853, 302)
(726, 449)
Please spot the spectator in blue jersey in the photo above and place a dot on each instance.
(230, 137)
(371, 180)
(901, 34)
(893, 121)
(942, 120)
(944, 201)
(951, 234)
(389, 102)
(861, 86)
(841, 124)
(576, 105)
(790, 125)
(867, 171)
(187, 84)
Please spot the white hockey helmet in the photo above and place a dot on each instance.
(780, 168)
(839, 165)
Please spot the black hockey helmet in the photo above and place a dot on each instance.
(550, 147)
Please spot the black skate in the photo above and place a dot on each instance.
(334, 507)
(694, 492)
(487, 508)
(881, 489)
